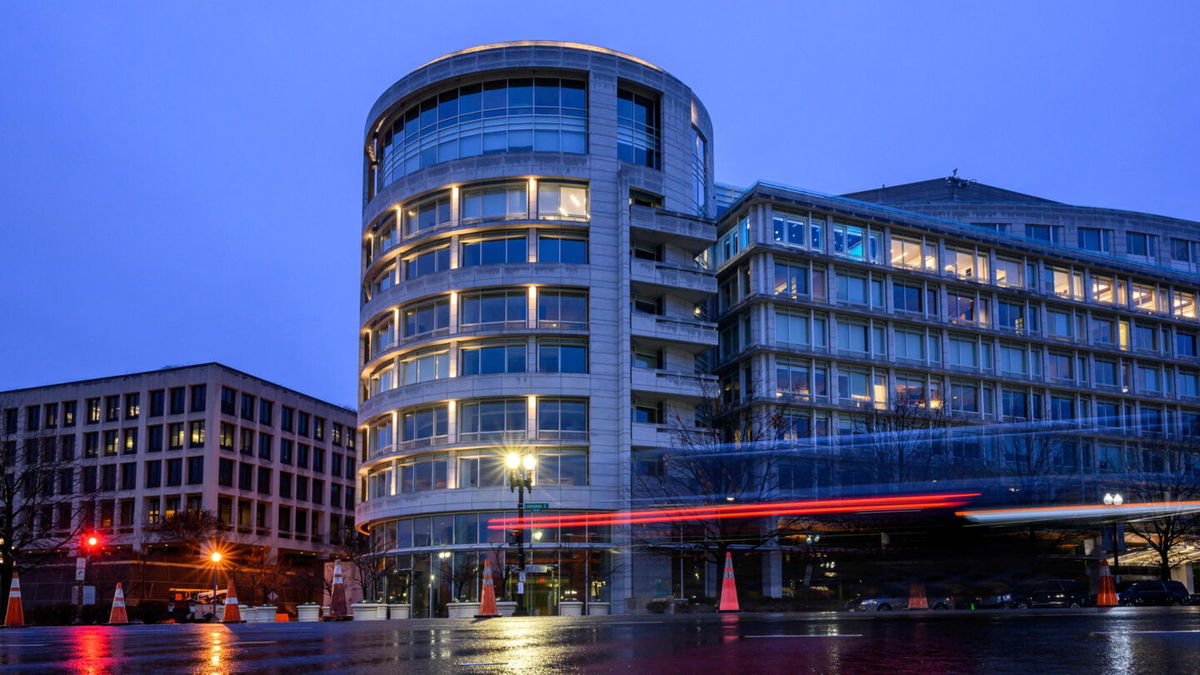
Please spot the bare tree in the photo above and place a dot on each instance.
(728, 454)
(904, 442)
(464, 573)
(43, 505)
(371, 567)
(1176, 478)
(190, 529)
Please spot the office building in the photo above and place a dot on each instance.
(133, 458)
(548, 268)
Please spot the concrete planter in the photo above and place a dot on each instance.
(598, 608)
(399, 611)
(570, 608)
(365, 611)
(266, 613)
(309, 612)
(506, 607)
(462, 610)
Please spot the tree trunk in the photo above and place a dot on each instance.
(1164, 564)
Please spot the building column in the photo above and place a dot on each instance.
(1183, 574)
(772, 573)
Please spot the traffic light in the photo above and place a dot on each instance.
(90, 542)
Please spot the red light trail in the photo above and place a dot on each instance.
(721, 511)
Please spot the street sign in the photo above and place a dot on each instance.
(89, 595)
(272, 596)
(80, 568)
(536, 506)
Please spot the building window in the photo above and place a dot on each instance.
(174, 472)
(302, 455)
(486, 469)
(427, 262)
(133, 406)
(69, 413)
(488, 358)
(1139, 244)
(225, 472)
(447, 126)
(246, 447)
(178, 399)
(800, 328)
(247, 407)
(494, 420)
(112, 409)
(423, 473)
(790, 281)
(175, 436)
(285, 451)
(562, 419)
(302, 419)
(196, 434)
(425, 426)
(426, 317)
(199, 394)
(158, 401)
(1181, 250)
(967, 265)
(1050, 234)
(638, 128)
(228, 397)
(789, 228)
(265, 408)
(494, 307)
(699, 173)
(195, 470)
(964, 397)
(562, 357)
(423, 214)
(562, 201)
(562, 309)
(1093, 239)
(562, 248)
(495, 202)
(495, 249)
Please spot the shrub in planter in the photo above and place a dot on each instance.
(658, 606)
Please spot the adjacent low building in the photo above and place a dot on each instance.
(142, 461)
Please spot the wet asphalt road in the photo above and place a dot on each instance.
(1149, 640)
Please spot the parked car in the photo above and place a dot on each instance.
(896, 601)
(1155, 593)
(1048, 593)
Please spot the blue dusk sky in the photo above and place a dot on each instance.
(181, 180)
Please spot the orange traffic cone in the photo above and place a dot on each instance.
(487, 602)
(916, 596)
(118, 616)
(232, 613)
(337, 604)
(1107, 597)
(729, 601)
(15, 616)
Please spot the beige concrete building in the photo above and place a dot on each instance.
(123, 455)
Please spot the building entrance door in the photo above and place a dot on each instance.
(541, 589)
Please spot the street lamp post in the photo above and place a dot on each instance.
(1114, 500)
(215, 557)
(520, 480)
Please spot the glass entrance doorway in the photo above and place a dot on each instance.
(541, 588)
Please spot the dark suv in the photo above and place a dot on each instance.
(1155, 593)
(1048, 593)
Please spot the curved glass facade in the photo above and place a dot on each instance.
(543, 114)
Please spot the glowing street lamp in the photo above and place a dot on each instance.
(1114, 499)
(520, 469)
(215, 558)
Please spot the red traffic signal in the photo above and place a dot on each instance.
(91, 541)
